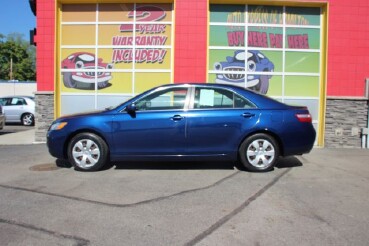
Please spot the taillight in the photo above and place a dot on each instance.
(304, 118)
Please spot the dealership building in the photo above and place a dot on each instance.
(92, 54)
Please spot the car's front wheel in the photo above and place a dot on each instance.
(28, 119)
(259, 152)
(87, 152)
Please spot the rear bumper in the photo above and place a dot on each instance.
(300, 142)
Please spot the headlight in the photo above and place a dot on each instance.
(58, 126)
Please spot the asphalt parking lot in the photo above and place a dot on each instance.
(13, 128)
(317, 199)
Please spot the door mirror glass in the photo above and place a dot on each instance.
(131, 108)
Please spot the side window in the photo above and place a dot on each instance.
(170, 99)
(6, 101)
(240, 102)
(9, 102)
(213, 98)
(219, 98)
(17, 101)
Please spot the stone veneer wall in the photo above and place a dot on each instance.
(344, 120)
(44, 114)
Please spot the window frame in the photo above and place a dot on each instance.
(192, 103)
(162, 91)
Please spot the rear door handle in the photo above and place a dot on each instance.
(177, 117)
(248, 115)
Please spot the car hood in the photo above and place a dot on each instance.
(84, 114)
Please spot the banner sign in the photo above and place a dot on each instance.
(126, 36)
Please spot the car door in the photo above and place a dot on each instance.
(218, 121)
(15, 108)
(155, 128)
(11, 109)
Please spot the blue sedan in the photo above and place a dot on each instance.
(185, 122)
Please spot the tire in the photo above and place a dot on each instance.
(28, 119)
(69, 82)
(264, 84)
(87, 152)
(259, 152)
(102, 85)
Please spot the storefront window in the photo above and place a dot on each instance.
(112, 52)
(274, 50)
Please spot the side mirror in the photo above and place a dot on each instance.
(131, 109)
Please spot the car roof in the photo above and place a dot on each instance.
(213, 85)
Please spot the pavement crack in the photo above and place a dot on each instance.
(236, 211)
(122, 205)
(79, 241)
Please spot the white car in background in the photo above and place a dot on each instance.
(19, 109)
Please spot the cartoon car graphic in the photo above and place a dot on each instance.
(256, 62)
(85, 63)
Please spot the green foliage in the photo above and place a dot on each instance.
(17, 53)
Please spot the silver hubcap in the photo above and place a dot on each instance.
(260, 153)
(27, 119)
(86, 153)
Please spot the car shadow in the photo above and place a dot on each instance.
(5, 132)
(167, 165)
(13, 124)
(154, 165)
(283, 162)
(62, 163)
(288, 162)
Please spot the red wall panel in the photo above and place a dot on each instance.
(190, 41)
(348, 44)
(348, 47)
(45, 40)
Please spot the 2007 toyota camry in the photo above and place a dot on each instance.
(185, 122)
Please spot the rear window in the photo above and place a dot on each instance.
(18, 101)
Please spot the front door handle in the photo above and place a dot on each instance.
(177, 117)
(248, 115)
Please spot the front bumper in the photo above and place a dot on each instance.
(56, 144)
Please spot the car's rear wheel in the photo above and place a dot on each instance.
(87, 152)
(259, 152)
(28, 119)
(69, 82)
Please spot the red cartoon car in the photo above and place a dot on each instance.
(85, 63)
